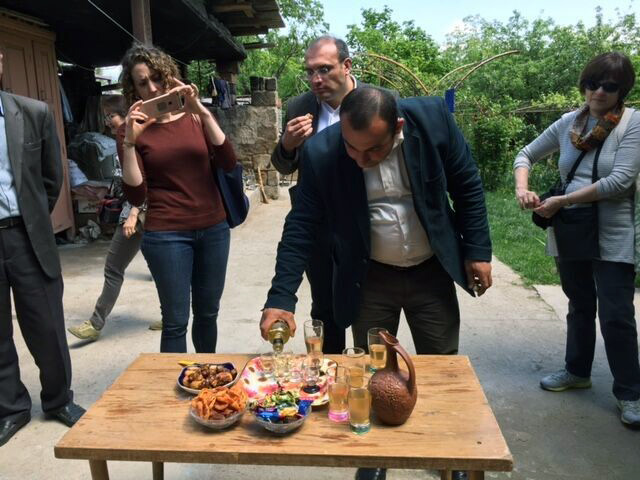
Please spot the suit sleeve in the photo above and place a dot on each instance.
(467, 194)
(298, 238)
(51, 162)
(285, 163)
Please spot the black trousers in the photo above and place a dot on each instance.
(427, 295)
(606, 288)
(38, 303)
(320, 275)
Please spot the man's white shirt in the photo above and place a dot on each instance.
(397, 236)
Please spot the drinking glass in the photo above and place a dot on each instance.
(359, 401)
(312, 367)
(313, 335)
(267, 361)
(377, 349)
(296, 368)
(338, 381)
(353, 358)
(282, 361)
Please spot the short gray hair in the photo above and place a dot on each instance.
(341, 46)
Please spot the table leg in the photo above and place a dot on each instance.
(445, 475)
(99, 469)
(158, 470)
(476, 475)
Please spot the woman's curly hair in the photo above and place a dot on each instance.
(155, 59)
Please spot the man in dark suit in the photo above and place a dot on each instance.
(328, 69)
(382, 179)
(30, 181)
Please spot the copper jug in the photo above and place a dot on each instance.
(393, 392)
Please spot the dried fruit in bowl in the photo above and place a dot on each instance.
(220, 402)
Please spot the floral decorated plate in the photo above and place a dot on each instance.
(258, 384)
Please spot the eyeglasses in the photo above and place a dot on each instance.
(609, 87)
(321, 71)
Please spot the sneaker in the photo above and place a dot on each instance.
(630, 412)
(85, 331)
(157, 325)
(563, 380)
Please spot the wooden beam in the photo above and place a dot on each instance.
(256, 45)
(240, 31)
(141, 21)
(235, 7)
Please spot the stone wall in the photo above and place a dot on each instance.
(254, 131)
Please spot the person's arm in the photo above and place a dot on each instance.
(626, 167)
(543, 146)
(132, 169)
(129, 226)
(298, 238)
(51, 163)
(297, 128)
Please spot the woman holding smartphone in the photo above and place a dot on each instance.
(169, 161)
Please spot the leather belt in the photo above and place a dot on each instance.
(11, 222)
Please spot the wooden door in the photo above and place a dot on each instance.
(48, 91)
(19, 75)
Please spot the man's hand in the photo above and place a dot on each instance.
(271, 315)
(527, 199)
(296, 132)
(478, 276)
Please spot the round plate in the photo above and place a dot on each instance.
(196, 391)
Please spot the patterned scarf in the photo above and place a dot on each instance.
(599, 133)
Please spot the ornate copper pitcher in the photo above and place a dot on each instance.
(393, 392)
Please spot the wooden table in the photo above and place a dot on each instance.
(143, 416)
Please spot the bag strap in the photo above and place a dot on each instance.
(572, 172)
(621, 128)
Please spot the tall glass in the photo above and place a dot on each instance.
(313, 335)
(377, 349)
(338, 381)
(354, 359)
(312, 368)
(359, 409)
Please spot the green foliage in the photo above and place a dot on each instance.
(403, 42)
(517, 241)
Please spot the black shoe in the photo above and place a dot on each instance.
(69, 414)
(459, 475)
(371, 474)
(8, 428)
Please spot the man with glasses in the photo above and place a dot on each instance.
(30, 181)
(328, 70)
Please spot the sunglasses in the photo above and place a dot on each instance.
(609, 87)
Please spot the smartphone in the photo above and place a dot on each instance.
(167, 103)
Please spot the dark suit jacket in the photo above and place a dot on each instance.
(34, 154)
(332, 190)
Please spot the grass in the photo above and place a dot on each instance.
(517, 242)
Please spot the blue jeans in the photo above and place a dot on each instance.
(184, 264)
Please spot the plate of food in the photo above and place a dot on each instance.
(257, 383)
(195, 377)
(219, 407)
(282, 411)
